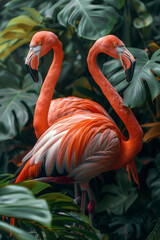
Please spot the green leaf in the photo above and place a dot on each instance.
(34, 186)
(91, 21)
(60, 201)
(16, 232)
(136, 92)
(19, 31)
(12, 107)
(4, 179)
(32, 12)
(19, 202)
(22, 19)
(118, 198)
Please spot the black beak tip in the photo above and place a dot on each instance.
(129, 72)
(33, 73)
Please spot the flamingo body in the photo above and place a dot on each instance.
(66, 106)
(77, 138)
(81, 146)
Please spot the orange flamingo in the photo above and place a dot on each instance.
(48, 111)
(83, 145)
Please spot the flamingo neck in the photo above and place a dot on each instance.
(132, 146)
(40, 121)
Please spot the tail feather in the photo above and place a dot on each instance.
(29, 171)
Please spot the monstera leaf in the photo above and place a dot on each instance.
(19, 202)
(118, 197)
(145, 72)
(64, 212)
(18, 31)
(90, 20)
(13, 102)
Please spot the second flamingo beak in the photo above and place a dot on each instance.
(128, 62)
(32, 62)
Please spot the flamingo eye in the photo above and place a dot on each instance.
(39, 43)
(115, 45)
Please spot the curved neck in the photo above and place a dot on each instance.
(40, 121)
(133, 145)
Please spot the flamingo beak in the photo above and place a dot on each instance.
(32, 62)
(128, 62)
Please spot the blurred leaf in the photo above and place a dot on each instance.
(4, 179)
(19, 202)
(34, 186)
(155, 234)
(63, 226)
(153, 46)
(118, 197)
(16, 232)
(35, 14)
(144, 18)
(59, 201)
(90, 20)
(129, 227)
(18, 31)
(12, 106)
(153, 132)
(136, 92)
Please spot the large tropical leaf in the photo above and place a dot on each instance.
(65, 214)
(19, 203)
(118, 197)
(13, 102)
(90, 20)
(18, 31)
(136, 91)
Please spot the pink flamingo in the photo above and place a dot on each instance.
(82, 145)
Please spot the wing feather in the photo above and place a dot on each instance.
(84, 145)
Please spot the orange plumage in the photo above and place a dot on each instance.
(77, 137)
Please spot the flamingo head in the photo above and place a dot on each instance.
(114, 47)
(41, 43)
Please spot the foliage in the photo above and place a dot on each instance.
(153, 132)
(122, 211)
(91, 21)
(136, 92)
(32, 213)
(14, 104)
(118, 197)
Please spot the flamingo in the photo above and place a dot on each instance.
(85, 144)
(48, 111)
